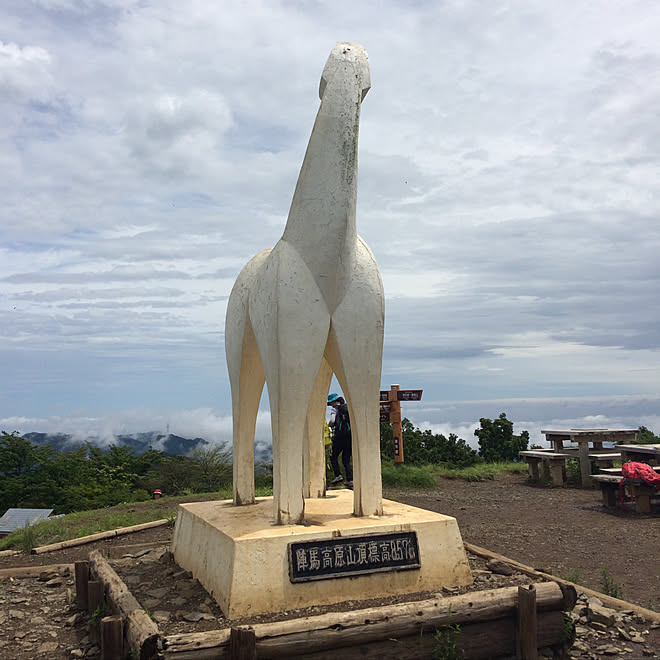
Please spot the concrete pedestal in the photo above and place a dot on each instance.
(241, 558)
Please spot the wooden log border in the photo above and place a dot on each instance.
(608, 601)
(326, 633)
(140, 632)
(33, 571)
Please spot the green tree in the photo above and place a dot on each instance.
(497, 442)
(215, 467)
(646, 437)
(426, 447)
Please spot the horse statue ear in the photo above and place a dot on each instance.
(347, 52)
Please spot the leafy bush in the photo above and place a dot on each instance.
(497, 442)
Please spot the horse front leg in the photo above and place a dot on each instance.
(314, 451)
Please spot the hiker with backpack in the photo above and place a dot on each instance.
(341, 439)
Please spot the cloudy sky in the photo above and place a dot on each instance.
(508, 187)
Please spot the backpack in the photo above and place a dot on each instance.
(634, 470)
(641, 471)
(342, 421)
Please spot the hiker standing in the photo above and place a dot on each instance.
(341, 440)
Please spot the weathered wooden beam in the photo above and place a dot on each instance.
(474, 641)
(141, 632)
(344, 629)
(242, 643)
(608, 601)
(98, 537)
(94, 595)
(482, 639)
(527, 629)
(112, 637)
(30, 571)
(81, 569)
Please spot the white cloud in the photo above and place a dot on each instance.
(508, 189)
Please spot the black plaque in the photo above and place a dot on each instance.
(386, 406)
(384, 418)
(409, 395)
(384, 395)
(353, 555)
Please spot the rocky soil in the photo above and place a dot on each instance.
(558, 530)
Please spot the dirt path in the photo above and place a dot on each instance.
(565, 531)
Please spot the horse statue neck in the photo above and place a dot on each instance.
(321, 222)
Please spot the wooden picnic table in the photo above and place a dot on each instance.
(642, 453)
(586, 453)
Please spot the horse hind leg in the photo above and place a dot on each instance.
(245, 408)
(246, 377)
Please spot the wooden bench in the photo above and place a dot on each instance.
(553, 465)
(640, 490)
(617, 470)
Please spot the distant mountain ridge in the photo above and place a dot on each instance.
(139, 442)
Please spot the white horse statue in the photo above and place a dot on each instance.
(310, 307)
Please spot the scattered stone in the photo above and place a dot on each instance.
(160, 616)
(37, 620)
(141, 553)
(77, 653)
(55, 582)
(74, 620)
(48, 647)
(178, 601)
(608, 649)
(193, 616)
(499, 567)
(600, 614)
(636, 639)
(158, 593)
(623, 634)
(44, 576)
(16, 614)
(132, 579)
(95, 650)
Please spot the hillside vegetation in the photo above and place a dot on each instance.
(88, 477)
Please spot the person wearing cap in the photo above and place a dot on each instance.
(157, 493)
(341, 439)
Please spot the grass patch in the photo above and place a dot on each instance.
(481, 472)
(408, 476)
(83, 523)
(573, 576)
(609, 585)
(426, 476)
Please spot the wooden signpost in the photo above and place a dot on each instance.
(390, 412)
